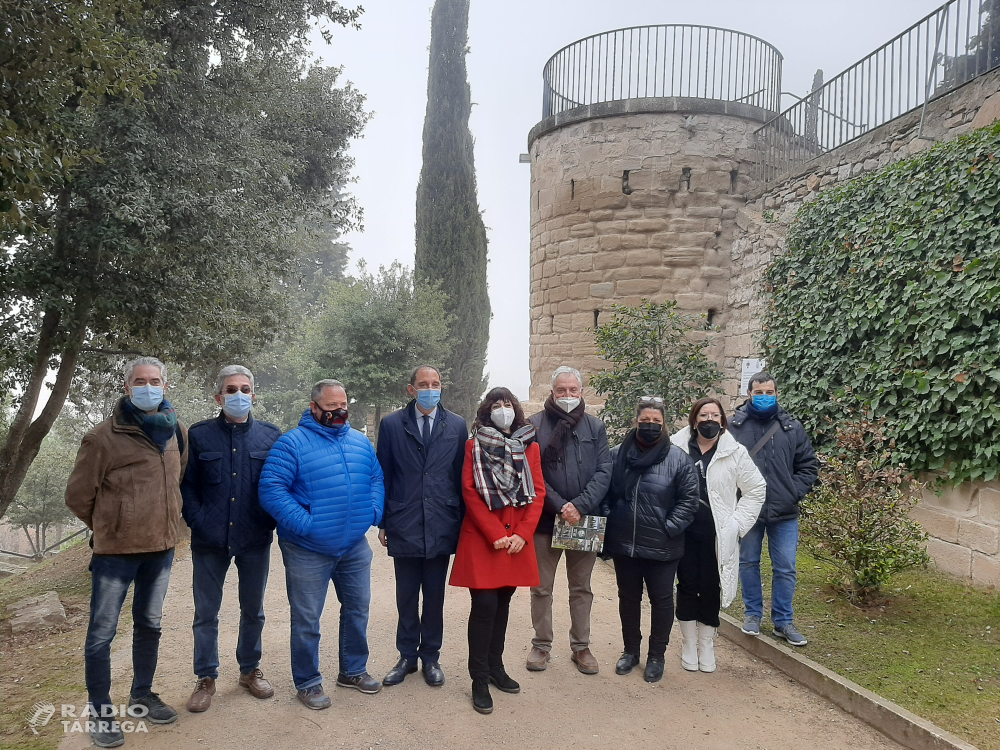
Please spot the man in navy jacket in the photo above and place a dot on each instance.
(227, 523)
(421, 449)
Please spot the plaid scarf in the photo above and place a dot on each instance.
(502, 476)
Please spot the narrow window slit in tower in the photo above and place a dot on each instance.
(710, 317)
(734, 178)
(686, 178)
(572, 189)
(625, 186)
(597, 318)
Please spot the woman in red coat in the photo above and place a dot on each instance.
(504, 494)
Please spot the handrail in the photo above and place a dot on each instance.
(671, 60)
(947, 48)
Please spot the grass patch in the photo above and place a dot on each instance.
(932, 644)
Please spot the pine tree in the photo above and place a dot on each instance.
(450, 235)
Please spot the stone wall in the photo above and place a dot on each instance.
(666, 235)
(964, 521)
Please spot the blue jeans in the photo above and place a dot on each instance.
(210, 567)
(307, 576)
(782, 544)
(111, 577)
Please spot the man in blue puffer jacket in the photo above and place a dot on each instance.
(323, 485)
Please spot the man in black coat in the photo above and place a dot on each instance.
(421, 449)
(782, 451)
(577, 465)
(227, 523)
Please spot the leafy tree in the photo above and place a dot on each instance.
(375, 330)
(451, 238)
(857, 518)
(59, 58)
(40, 503)
(178, 241)
(652, 353)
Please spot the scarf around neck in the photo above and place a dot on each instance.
(631, 462)
(566, 422)
(159, 426)
(501, 473)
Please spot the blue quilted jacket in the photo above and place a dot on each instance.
(323, 485)
(220, 484)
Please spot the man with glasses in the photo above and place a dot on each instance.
(228, 523)
(780, 447)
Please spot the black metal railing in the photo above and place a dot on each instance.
(680, 60)
(951, 46)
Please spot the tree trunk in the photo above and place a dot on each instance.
(25, 436)
(30, 543)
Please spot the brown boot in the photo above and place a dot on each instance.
(585, 661)
(256, 684)
(201, 698)
(537, 660)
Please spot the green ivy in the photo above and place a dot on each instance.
(890, 295)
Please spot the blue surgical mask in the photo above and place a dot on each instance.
(146, 397)
(428, 398)
(237, 405)
(764, 401)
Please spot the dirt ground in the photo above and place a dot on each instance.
(745, 704)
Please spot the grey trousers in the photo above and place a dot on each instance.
(579, 567)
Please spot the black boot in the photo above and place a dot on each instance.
(500, 678)
(482, 701)
(626, 662)
(654, 669)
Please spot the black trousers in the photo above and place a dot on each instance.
(699, 590)
(658, 577)
(488, 629)
(419, 634)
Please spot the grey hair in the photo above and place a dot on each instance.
(418, 368)
(317, 391)
(139, 362)
(228, 371)
(567, 370)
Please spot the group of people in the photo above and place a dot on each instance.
(692, 507)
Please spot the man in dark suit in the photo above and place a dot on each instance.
(421, 449)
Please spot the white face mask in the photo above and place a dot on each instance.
(502, 417)
(567, 404)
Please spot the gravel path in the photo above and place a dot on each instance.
(745, 704)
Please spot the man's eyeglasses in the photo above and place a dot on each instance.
(231, 389)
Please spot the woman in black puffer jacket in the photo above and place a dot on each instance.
(652, 500)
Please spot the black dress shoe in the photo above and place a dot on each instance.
(398, 673)
(654, 669)
(433, 675)
(626, 662)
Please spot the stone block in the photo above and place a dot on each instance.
(581, 230)
(682, 256)
(989, 502)
(602, 290)
(648, 225)
(985, 569)
(36, 612)
(813, 182)
(637, 286)
(598, 216)
(588, 245)
(581, 263)
(950, 558)
(643, 257)
(937, 524)
(579, 291)
(688, 225)
(979, 536)
(988, 113)
(956, 499)
(556, 294)
(634, 241)
(611, 227)
(609, 260)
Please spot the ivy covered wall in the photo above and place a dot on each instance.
(889, 293)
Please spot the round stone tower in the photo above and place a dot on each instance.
(638, 168)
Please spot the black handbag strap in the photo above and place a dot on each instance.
(763, 441)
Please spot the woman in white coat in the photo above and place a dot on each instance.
(708, 573)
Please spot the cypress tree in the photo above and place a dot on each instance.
(450, 235)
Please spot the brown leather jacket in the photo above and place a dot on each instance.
(125, 490)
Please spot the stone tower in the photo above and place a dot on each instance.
(638, 168)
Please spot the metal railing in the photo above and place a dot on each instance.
(951, 46)
(681, 60)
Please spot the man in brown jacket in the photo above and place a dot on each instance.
(126, 487)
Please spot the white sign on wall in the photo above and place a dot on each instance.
(750, 368)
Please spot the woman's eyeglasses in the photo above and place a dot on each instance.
(651, 400)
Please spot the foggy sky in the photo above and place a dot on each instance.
(510, 41)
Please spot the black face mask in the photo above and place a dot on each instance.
(649, 432)
(334, 418)
(709, 430)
